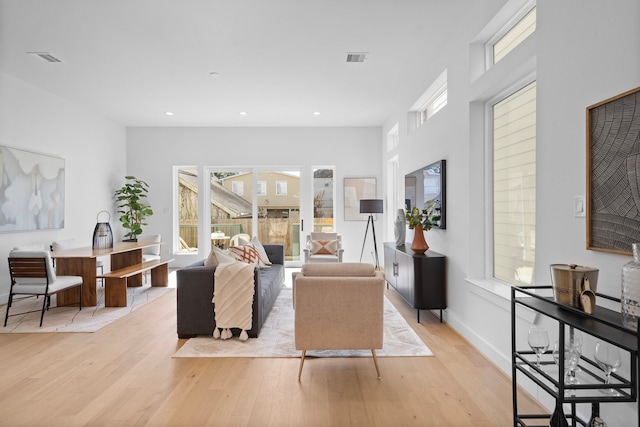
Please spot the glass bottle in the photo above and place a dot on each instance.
(557, 418)
(595, 420)
(630, 299)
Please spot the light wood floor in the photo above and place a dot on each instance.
(123, 375)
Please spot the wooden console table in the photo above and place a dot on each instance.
(82, 262)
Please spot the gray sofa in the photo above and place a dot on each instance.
(195, 284)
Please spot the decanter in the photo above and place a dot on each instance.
(630, 299)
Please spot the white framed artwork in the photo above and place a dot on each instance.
(31, 190)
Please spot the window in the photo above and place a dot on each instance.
(433, 106)
(323, 195)
(514, 186)
(393, 138)
(262, 188)
(187, 209)
(506, 42)
(281, 188)
(237, 187)
(431, 101)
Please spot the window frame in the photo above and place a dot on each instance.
(502, 32)
(281, 188)
(489, 172)
(261, 188)
(237, 187)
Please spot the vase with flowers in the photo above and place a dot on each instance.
(419, 222)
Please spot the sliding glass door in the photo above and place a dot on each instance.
(252, 202)
(278, 213)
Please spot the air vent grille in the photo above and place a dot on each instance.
(46, 56)
(356, 56)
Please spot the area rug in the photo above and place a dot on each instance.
(276, 338)
(70, 319)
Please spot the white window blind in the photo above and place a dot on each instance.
(514, 186)
(512, 38)
(437, 104)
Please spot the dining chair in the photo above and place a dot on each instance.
(32, 273)
(150, 253)
(72, 244)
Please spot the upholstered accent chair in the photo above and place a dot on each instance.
(323, 247)
(338, 306)
(32, 273)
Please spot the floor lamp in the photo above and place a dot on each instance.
(371, 206)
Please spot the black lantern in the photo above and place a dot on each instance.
(102, 235)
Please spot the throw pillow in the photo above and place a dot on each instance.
(211, 260)
(222, 256)
(323, 247)
(261, 251)
(248, 254)
(242, 242)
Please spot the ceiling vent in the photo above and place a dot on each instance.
(356, 56)
(46, 56)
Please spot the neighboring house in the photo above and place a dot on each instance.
(278, 192)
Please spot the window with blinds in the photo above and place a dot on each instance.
(512, 38)
(433, 106)
(514, 186)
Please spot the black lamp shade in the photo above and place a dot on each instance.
(371, 206)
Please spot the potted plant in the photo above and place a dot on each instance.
(131, 207)
(419, 221)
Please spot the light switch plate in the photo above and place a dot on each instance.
(579, 207)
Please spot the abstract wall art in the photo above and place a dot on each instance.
(31, 190)
(613, 173)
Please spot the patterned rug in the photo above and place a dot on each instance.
(70, 319)
(276, 338)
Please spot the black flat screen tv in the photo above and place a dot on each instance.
(426, 189)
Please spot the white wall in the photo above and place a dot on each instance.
(94, 153)
(153, 152)
(585, 51)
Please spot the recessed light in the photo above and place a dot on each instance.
(243, 113)
(168, 113)
(316, 113)
(214, 74)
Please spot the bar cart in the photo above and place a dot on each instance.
(605, 325)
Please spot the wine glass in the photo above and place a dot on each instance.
(571, 354)
(608, 358)
(538, 341)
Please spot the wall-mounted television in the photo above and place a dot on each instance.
(426, 189)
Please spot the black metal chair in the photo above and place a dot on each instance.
(32, 273)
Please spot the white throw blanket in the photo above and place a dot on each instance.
(233, 299)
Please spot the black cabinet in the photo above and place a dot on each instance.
(418, 278)
(603, 324)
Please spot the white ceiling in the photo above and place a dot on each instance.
(279, 60)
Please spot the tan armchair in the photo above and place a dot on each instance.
(338, 306)
(323, 247)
